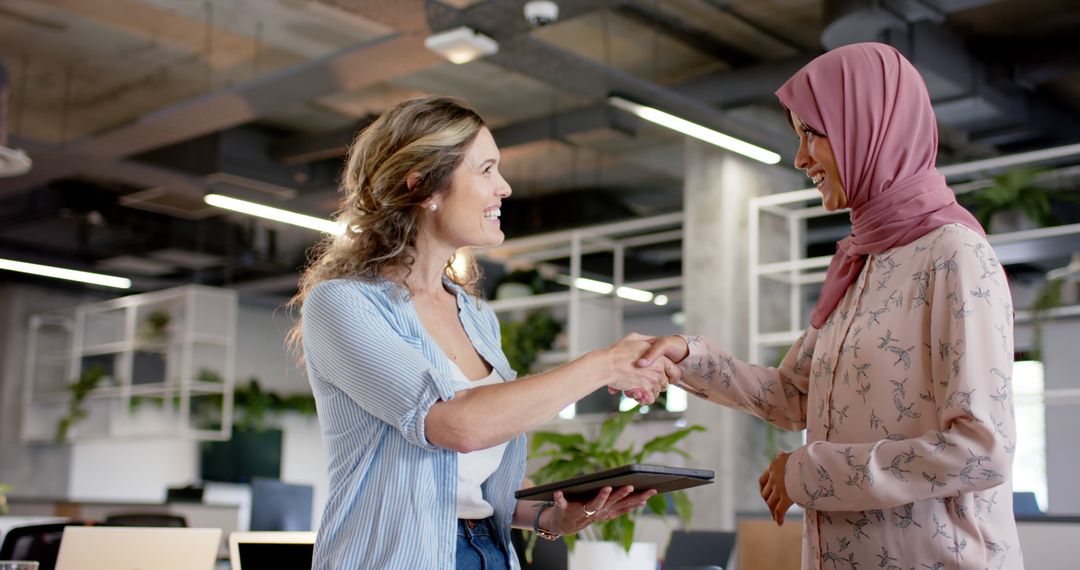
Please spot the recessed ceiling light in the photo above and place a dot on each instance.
(461, 45)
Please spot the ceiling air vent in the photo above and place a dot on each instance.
(161, 201)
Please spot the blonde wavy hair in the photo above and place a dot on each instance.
(380, 212)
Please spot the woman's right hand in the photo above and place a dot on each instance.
(622, 371)
(668, 351)
(673, 347)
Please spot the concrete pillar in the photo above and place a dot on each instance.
(718, 187)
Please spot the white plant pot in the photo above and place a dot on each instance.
(596, 555)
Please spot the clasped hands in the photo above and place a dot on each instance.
(643, 366)
(664, 354)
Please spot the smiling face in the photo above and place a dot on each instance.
(815, 158)
(468, 212)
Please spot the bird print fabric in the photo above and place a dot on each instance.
(905, 394)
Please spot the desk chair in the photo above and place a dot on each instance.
(145, 519)
(39, 542)
(699, 550)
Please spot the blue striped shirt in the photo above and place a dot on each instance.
(375, 373)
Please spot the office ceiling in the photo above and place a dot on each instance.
(134, 109)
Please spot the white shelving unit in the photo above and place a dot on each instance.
(157, 380)
(793, 270)
(591, 319)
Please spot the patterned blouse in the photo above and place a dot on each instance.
(906, 397)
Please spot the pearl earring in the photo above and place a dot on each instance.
(433, 206)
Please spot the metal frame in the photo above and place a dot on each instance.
(794, 209)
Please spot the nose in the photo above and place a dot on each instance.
(503, 191)
(802, 156)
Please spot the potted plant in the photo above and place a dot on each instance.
(1014, 201)
(155, 327)
(255, 447)
(80, 389)
(523, 340)
(572, 454)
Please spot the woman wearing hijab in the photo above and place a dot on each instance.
(902, 382)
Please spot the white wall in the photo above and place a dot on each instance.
(261, 351)
(135, 470)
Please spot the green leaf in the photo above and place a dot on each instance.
(666, 443)
(530, 545)
(683, 507)
(571, 540)
(658, 504)
(564, 441)
(627, 525)
(613, 427)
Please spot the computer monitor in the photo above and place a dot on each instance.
(280, 550)
(280, 506)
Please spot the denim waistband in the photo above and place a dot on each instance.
(476, 527)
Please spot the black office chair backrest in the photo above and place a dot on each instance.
(145, 519)
(40, 542)
(699, 548)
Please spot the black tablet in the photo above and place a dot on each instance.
(642, 477)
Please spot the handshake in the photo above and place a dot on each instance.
(642, 366)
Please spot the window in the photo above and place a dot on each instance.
(1029, 462)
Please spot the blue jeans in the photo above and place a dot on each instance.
(478, 548)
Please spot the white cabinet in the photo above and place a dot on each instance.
(157, 364)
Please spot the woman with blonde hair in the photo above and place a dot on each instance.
(421, 414)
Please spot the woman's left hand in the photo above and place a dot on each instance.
(568, 517)
(773, 488)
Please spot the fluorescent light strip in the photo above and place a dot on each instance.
(632, 294)
(69, 274)
(695, 130)
(276, 214)
(592, 285)
(629, 293)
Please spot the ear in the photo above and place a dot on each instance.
(413, 179)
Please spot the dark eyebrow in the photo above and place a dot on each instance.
(487, 162)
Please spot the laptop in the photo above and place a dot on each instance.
(138, 548)
(271, 550)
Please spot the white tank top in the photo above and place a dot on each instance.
(475, 468)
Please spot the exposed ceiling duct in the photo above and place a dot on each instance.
(523, 53)
(959, 83)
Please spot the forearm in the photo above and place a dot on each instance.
(969, 456)
(525, 515)
(768, 393)
(489, 415)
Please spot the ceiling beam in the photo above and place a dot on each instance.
(357, 66)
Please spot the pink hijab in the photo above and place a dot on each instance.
(873, 106)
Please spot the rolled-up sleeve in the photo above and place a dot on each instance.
(354, 348)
